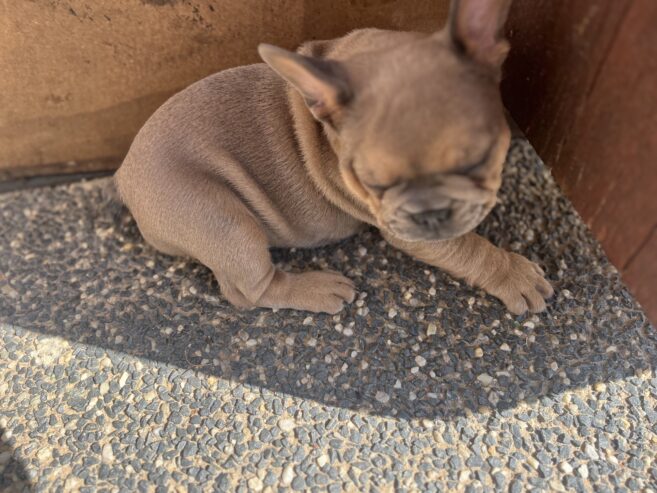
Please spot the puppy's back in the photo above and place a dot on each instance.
(231, 112)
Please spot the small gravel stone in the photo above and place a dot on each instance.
(591, 452)
(288, 475)
(382, 397)
(516, 486)
(286, 424)
(600, 387)
(499, 479)
(255, 484)
(123, 380)
(485, 379)
(298, 484)
(107, 453)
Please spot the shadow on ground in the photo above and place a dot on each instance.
(13, 476)
(68, 268)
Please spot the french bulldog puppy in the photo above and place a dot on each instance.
(404, 131)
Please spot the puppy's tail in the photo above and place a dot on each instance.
(111, 205)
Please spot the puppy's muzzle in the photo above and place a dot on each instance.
(442, 209)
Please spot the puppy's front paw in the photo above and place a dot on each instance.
(321, 291)
(520, 285)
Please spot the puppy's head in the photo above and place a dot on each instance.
(419, 128)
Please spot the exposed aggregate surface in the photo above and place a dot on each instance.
(122, 369)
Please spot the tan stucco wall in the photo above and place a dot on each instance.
(79, 77)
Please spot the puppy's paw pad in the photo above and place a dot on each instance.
(522, 287)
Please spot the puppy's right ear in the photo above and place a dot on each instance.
(322, 83)
(477, 28)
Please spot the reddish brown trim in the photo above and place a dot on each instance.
(582, 84)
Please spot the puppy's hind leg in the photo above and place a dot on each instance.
(248, 278)
(227, 238)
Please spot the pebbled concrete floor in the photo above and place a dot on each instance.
(124, 370)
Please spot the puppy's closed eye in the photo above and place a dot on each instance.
(380, 189)
(472, 169)
(473, 166)
(376, 188)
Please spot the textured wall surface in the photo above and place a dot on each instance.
(79, 77)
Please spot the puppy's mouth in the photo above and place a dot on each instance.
(434, 213)
(454, 220)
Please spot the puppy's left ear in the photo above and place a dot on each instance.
(477, 28)
(322, 83)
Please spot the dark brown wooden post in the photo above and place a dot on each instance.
(582, 85)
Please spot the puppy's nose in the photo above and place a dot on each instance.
(432, 219)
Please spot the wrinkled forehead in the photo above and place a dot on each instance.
(423, 66)
(425, 99)
(419, 130)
